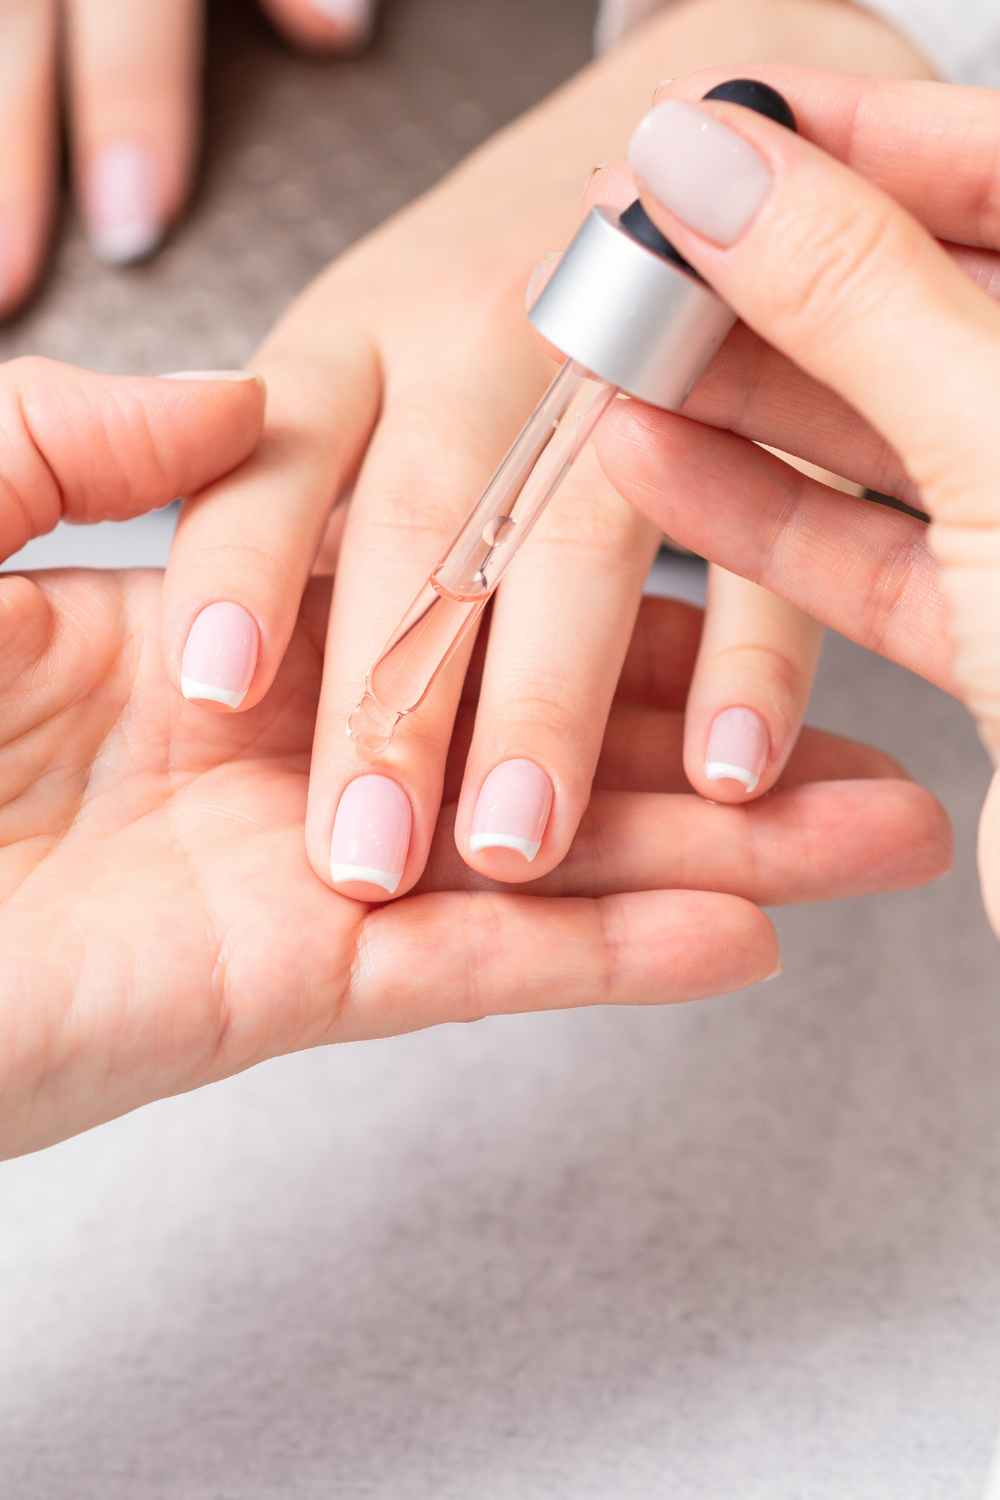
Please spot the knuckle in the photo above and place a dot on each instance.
(777, 670)
(832, 272)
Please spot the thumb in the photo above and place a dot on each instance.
(86, 447)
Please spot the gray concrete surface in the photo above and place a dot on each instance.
(749, 1248)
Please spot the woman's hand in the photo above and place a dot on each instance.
(888, 366)
(133, 92)
(160, 925)
(404, 373)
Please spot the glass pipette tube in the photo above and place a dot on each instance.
(454, 595)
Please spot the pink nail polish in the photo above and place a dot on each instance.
(707, 174)
(220, 655)
(738, 747)
(513, 809)
(121, 205)
(371, 833)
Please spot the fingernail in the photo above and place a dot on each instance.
(513, 809)
(234, 375)
(371, 833)
(775, 973)
(700, 169)
(738, 746)
(220, 655)
(664, 83)
(121, 202)
(546, 265)
(352, 15)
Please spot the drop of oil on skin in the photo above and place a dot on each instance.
(371, 726)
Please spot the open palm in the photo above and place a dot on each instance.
(160, 925)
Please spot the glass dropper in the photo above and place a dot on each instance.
(454, 595)
(631, 315)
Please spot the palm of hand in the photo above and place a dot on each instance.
(161, 927)
(156, 894)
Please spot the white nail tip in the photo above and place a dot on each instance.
(344, 874)
(121, 244)
(720, 770)
(526, 847)
(210, 694)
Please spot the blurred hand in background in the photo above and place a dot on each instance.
(128, 73)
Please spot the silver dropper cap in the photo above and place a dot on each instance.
(630, 316)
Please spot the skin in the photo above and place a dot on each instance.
(403, 373)
(160, 925)
(895, 340)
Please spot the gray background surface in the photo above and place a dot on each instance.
(745, 1248)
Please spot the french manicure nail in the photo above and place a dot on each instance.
(121, 202)
(738, 746)
(371, 833)
(513, 809)
(545, 265)
(701, 170)
(220, 655)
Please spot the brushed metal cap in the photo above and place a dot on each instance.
(630, 316)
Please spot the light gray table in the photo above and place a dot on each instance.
(748, 1248)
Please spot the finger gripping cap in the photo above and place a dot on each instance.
(625, 304)
(629, 315)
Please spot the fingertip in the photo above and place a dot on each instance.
(512, 813)
(736, 755)
(370, 840)
(324, 25)
(220, 655)
(241, 392)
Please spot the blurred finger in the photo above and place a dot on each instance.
(134, 74)
(29, 134)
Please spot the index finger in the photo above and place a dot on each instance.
(931, 146)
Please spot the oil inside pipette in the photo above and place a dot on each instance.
(434, 626)
(453, 597)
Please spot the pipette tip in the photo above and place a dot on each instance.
(371, 726)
